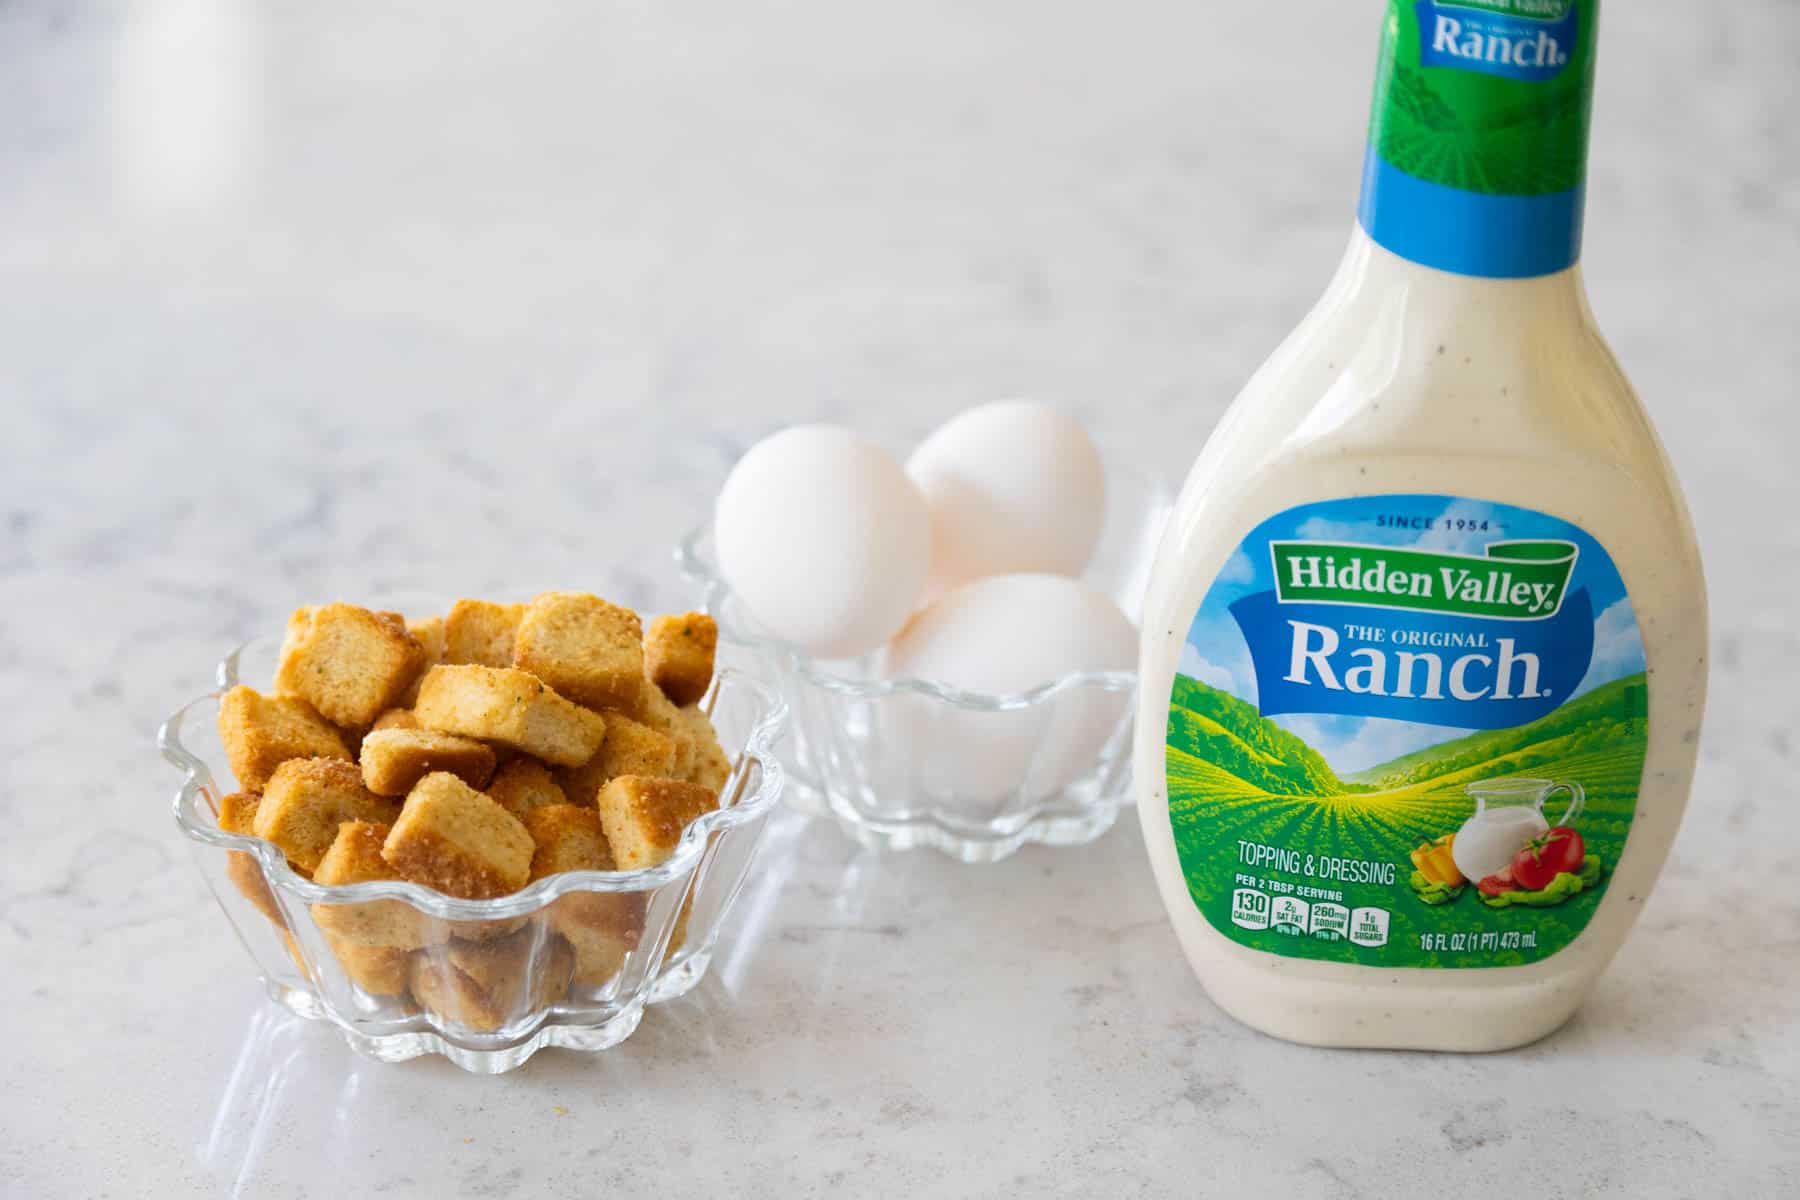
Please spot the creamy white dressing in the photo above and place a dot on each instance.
(1406, 379)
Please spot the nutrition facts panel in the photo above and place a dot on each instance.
(1252, 908)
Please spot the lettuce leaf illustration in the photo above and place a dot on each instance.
(1430, 891)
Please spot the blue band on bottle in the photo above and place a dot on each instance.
(1469, 233)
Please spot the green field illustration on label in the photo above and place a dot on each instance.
(1343, 830)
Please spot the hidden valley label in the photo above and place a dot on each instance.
(1407, 731)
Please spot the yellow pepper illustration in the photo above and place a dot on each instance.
(1434, 862)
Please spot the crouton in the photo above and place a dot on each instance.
(602, 927)
(262, 732)
(395, 759)
(306, 800)
(643, 818)
(237, 814)
(588, 650)
(481, 633)
(349, 663)
(524, 784)
(429, 633)
(710, 766)
(650, 707)
(678, 655)
(355, 857)
(451, 837)
(630, 748)
(511, 707)
(482, 986)
(396, 718)
(377, 970)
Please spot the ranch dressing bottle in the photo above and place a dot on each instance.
(1430, 602)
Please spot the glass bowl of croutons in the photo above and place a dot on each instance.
(483, 832)
(902, 762)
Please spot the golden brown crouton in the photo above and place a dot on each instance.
(602, 927)
(643, 818)
(650, 707)
(711, 766)
(396, 718)
(482, 986)
(377, 970)
(524, 784)
(355, 857)
(306, 800)
(630, 748)
(395, 759)
(429, 633)
(350, 663)
(678, 655)
(262, 732)
(511, 707)
(451, 837)
(566, 837)
(481, 633)
(237, 814)
(588, 650)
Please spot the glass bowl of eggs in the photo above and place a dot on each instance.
(956, 636)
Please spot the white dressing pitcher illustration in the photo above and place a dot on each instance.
(1508, 814)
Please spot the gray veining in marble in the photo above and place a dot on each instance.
(300, 298)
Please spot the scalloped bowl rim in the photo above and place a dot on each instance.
(759, 748)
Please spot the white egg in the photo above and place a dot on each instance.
(1002, 636)
(824, 539)
(1012, 487)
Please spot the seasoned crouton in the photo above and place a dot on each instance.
(306, 800)
(481, 633)
(262, 732)
(602, 927)
(678, 655)
(524, 784)
(588, 650)
(643, 818)
(355, 857)
(511, 707)
(630, 748)
(482, 986)
(395, 759)
(350, 663)
(429, 633)
(650, 707)
(710, 766)
(451, 837)
(566, 837)
(377, 970)
(237, 814)
(396, 718)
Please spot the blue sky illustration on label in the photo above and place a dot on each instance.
(1426, 643)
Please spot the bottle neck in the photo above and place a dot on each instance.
(1477, 153)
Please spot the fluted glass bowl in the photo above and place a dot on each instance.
(903, 763)
(569, 961)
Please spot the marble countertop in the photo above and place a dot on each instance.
(462, 296)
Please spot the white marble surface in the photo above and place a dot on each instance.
(299, 297)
